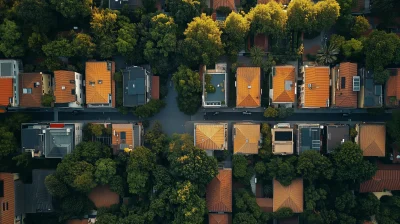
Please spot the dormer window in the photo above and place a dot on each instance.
(99, 81)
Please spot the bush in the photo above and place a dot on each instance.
(271, 112)
(149, 109)
(210, 88)
(285, 112)
(47, 99)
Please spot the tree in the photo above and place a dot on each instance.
(337, 40)
(256, 55)
(83, 45)
(75, 205)
(36, 41)
(266, 147)
(301, 15)
(58, 48)
(282, 170)
(244, 218)
(349, 164)
(7, 142)
(393, 126)
(127, 38)
(239, 163)
(35, 15)
(245, 202)
(313, 197)
(271, 112)
(327, 12)
(352, 48)
(381, 75)
(10, 39)
(202, 43)
(47, 100)
(105, 171)
(345, 6)
(235, 31)
(104, 22)
(312, 165)
(283, 213)
(184, 11)
(91, 151)
(149, 109)
(106, 218)
(268, 19)
(106, 47)
(360, 26)
(285, 112)
(156, 139)
(72, 8)
(187, 84)
(117, 185)
(345, 202)
(327, 54)
(367, 206)
(141, 163)
(55, 186)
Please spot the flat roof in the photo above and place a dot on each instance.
(59, 141)
(282, 140)
(31, 137)
(218, 81)
(336, 134)
(309, 138)
(6, 69)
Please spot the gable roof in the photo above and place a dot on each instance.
(346, 97)
(283, 84)
(290, 196)
(372, 139)
(223, 3)
(219, 192)
(214, 218)
(8, 215)
(28, 80)
(63, 86)
(248, 87)
(246, 137)
(102, 196)
(393, 87)
(98, 93)
(266, 204)
(382, 180)
(210, 136)
(6, 86)
(119, 140)
(318, 95)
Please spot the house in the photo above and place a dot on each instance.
(51, 140)
(346, 85)
(248, 92)
(282, 139)
(214, 218)
(137, 86)
(126, 137)
(213, 136)
(219, 193)
(218, 14)
(246, 138)
(283, 86)
(370, 94)
(372, 138)
(18, 199)
(383, 180)
(335, 136)
(68, 90)
(308, 137)
(103, 197)
(392, 93)
(288, 196)
(215, 86)
(9, 76)
(32, 88)
(266, 204)
(314, 91)
(100, 84)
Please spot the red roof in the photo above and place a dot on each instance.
(6, 86)
(219, 192)
(155, 87)
(102, 196)
(383, 180)
(219, 218)
(8, 199)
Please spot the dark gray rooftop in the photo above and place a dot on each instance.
(218, 81)
(6, 69)
(134, 82)
(309, 138)
(37, 198)
(136, 136)
(32, 138)
(118, 4)
(335, 135)
(283, 135)
(372, 91)
(59, 141)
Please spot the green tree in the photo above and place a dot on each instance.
(72, 8)
(202, 43)
(282, 170)
(106, 169)
(106, 47)
(337, 40)
(58, 48)
(10, 39)
(245, 202)
(285, 112)
(235, 31)
(47, 99)
(156, 139)
(283, 213)
(183, 11)
(244, 218)
(117, 185)
(35, 15)
(104, 22)
(345, 218)
(83, 45)
(345, 202)
(367, 206)
(239, 163)
(268, 19)
(106, 218)
(360, 26)
(393, 126)
(345, 6)
(301, 15)
(381, 75)
(352, 48)
(256, 55)
(141, 163)
(36, 41)
(91, 151)
(327, 12)
(271, 112)
(149, 109)
(127, 38)
(327, 54)
(349, 163)
(266, 147)
(312, 165)
(56, 187)
(187, 84)
(75, 205)
(7, 142)
(313, 197)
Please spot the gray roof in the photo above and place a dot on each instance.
(31, 137)
(59, 141)
(134, 82)
(309, 138)
(137, 139)
(37, 198)
(372, 91)
(6, 69)
(217, 78)
(19, 198)
(335, 135)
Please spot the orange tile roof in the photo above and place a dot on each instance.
(290, 196)
(246, 139)
(219, 192)
(7, 216)
(393, 87)
(155, 87)
(283, 74)
(102, 196)
(382, 180)
(210, 136)
(98, 94)
(27, 80)
(78, 221)
(6, 86)
(266, 204)
(62, 79)
(248, 87)
(318, 95)
(346, 97)
(214, 218)
(372, 139)
(223, 3)
(118, 128)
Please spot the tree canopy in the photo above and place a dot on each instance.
(236, 27)
(10, 39)
(72, 8)
(269, 19)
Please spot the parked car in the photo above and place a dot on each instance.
(246, 113)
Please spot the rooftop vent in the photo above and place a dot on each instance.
(356, 83)
(63, 87)
(36, 84)
(100, 81)
(91, 83)
(309, 86)
(249, 87)
(108, 66)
